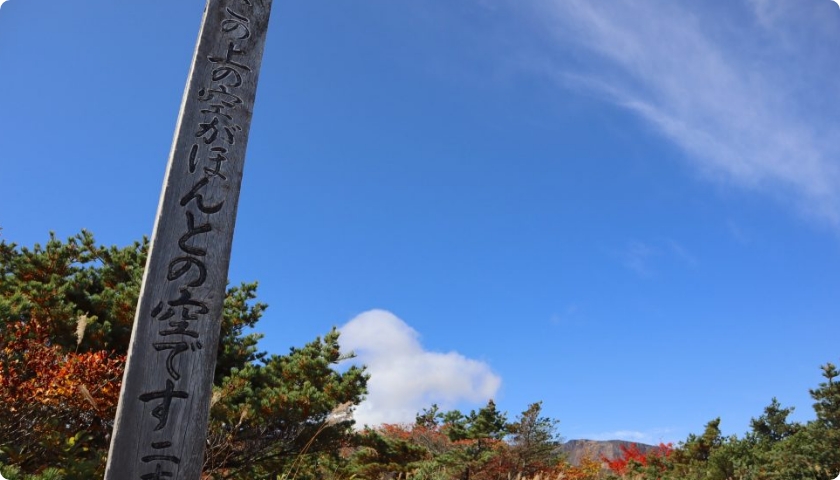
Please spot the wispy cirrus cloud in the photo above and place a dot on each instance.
(636, 256)
(644, 258)
(746, 98)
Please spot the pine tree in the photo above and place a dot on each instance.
(488, 422)
(534, 441)
(66, 313)
(772, 426)
(485, 430)
(827, 398)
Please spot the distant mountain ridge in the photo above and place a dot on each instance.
(576, 450)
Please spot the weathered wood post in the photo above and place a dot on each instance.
(161, 422)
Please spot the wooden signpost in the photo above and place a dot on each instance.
(161, 422)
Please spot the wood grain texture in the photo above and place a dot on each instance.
(161, 423)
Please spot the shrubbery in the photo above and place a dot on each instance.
(66, 311)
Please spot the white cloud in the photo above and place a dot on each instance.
(637, 256)
(738, 233)
(682, 253)
(405, 378)
(768, 12)
(647, 259)
(569, 316)
(747, 101)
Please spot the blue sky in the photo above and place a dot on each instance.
(628, 210)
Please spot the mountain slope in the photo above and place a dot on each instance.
(577, 450)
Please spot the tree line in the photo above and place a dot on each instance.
(66, 313)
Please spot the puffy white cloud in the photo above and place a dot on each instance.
(405, 378)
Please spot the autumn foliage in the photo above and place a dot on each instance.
(59, 373)
(632, 455)
(66, 314)
(73, 385)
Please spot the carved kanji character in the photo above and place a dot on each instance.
(217, 159)
(175, 349)
(199, 198)
(192, 231)
(238, 23)
(227, 98)
(181, 265)
(157, 475)
(161, 412)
